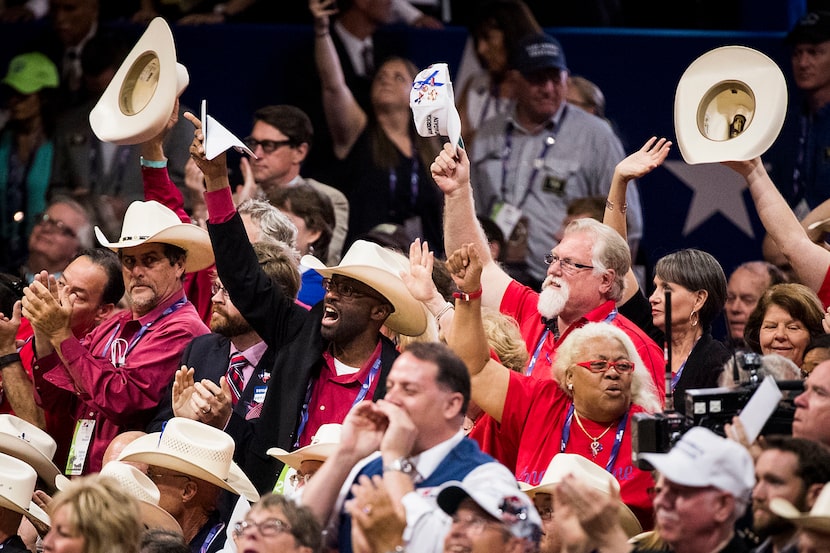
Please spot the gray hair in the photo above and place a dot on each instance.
(85, 234)
(273, 223)
(696, 270)
(643, 389)
(610, 251)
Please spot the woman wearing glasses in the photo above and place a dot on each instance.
(276, 523)
(599, 384)
(697, 286)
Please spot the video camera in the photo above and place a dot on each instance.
(713, 408)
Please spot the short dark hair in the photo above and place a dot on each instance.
(314, 208)
(161, 540)
(109, 262)
(813, 457)
(696, 270)
(452, 372)
(304, 526)
(289, 120)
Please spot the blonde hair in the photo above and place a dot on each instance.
(505, 338)
(103, 513)
(643, 390)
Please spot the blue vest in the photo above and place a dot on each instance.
(458, 463)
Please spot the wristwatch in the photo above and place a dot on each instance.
(401, 464)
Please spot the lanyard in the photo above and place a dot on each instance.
(119, 349)
(414, 185)
(361, 395)
(676, 378)
(211, 535)
(566, 434)
(611, 316)
(549, 141)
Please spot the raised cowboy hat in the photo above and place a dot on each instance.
(139, 485)
(588, 473)
(30, 444)
(322, 445)
(433, 104)
(152, 222)
(17, 484)
(195, 449)
(817, 519)
(730, 104)
(380, 268)
(139, 100)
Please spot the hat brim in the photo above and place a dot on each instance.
(194, 240)
(45, 468)
(409, 317)
(144, 450)
(110, 121)
(153, 516)
(32, 511)
(316, 452)
(727, 65)
(787, 510)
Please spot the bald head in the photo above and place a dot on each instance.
(117, 445)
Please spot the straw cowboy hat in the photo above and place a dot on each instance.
(379, 268)
(152, 222)
(139, 100)
(17, 484)
(195, 449)
(138, 485)
(588, 473)
(27, 442)
(322, 445)
(730, 104)
(817, 519)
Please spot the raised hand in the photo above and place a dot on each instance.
(451, 170)
(464, 265)
(419, 278)
(646, 159)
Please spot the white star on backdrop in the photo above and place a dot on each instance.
(715, 188)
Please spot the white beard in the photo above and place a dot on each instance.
(553, 299)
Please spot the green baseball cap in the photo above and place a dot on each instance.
(31, 72)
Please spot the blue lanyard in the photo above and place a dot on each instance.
(211, 535)
(611, 316)
(549, 141)
(676, 378)
(144, 328)
(361, 395)
(566, 434)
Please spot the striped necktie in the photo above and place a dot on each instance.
(236, 379)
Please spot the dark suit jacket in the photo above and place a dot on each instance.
(291, 332)
(208, 355)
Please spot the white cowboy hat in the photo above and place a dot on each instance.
(17, 484)
(195, 449)
(730, 104)
(27, 442)
(139, 100)
(817, 519)
(322, 445)
(152, 222)
(433, 104)
(138, 485)
(588, 473)
(380, 268)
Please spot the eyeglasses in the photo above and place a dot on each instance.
(269, 527)
(546, 514)
(602, 365)
(154, 476)
(55, 224)
(216, 287)
(567, 265)
(345, 288)
(296, 478)
(474, 525)
(268, 146)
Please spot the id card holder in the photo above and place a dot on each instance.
(506, 216)
(259, 393)
(79, 448)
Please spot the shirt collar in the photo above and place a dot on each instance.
(427, 461)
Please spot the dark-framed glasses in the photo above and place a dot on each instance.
(567, 265)
(268, 527)
(217, 287)
(268, 146)
(602, 365)
(55, 224)
(345, 289)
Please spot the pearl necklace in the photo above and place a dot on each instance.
(596, 447)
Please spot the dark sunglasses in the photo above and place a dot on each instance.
(268, 146)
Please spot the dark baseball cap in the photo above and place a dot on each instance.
(537, 52)
(813, 28)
